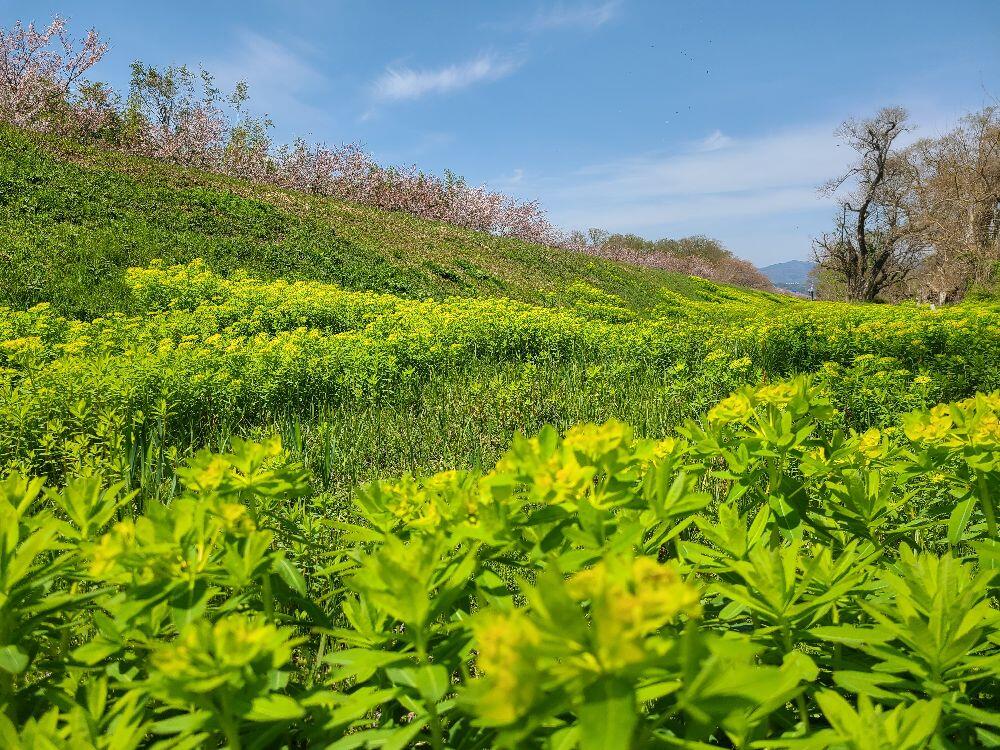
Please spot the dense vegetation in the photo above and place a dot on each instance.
(796, 565)
(282, 471)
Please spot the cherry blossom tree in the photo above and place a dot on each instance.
(42, 82)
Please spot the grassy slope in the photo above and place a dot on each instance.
(71, 218)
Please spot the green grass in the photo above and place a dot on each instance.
(461, 417)
(72, 218)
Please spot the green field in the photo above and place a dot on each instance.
(287, 472)
(74, 218)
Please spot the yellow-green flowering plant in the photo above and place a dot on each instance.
(803, 562)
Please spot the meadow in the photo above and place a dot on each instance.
(280, 513)
(74, 216)
(255, 499)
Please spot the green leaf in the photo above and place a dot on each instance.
(989, 554)
(8, 734)
(400, 738)
(183, 724)
(960, 519)
(838, 712)
(977, 715)
(97, 650)
(385, 739)
(291, 576)
(608, 715)
(354, 706)
(800, 667)
(430, 680)
(276, 707)
(24, 557)
(356, 533)
(872, 684)
(656, 690)
(566, 738)
(920, 721)
(13, 659)
(360, 663)
(849, 635)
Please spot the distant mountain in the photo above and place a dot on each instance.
(792, 274)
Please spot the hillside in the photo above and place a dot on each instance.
(792, 274)
(72, 218)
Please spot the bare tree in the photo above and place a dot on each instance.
(875, 246)
(956, 197)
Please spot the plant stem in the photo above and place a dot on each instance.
(800, 700)
(837, 647)
(229, 727)
(268, 596)
(987, 501)
(316, 663)
(437, 731)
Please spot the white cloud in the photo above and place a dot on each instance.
(508, 181)
(793, 158)
(585, 16)
(714, 141)
(280, 78)
(721, 185)
(645, 214)
(398, 84)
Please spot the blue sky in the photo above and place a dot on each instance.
(658, 117)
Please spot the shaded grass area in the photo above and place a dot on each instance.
(465, 418)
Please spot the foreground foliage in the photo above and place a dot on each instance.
(756, 580)
(801, 563)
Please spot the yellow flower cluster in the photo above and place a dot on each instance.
(629, 600)
(217, 350)
(234, 650)
(623, 603)
(508, 653)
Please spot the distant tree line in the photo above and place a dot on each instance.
(180, 115)
(918, 220)
(695, 256)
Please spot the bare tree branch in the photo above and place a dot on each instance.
(874, 246)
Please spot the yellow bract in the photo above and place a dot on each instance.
(630, 600)
(736, 408)
(507, 655)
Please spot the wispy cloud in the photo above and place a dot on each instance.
(399, 84)
(719, 168)
(721, 185)
(575, 15)
(508, 181)
(280, 77)
(714, 141)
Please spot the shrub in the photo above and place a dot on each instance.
(751, 581)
